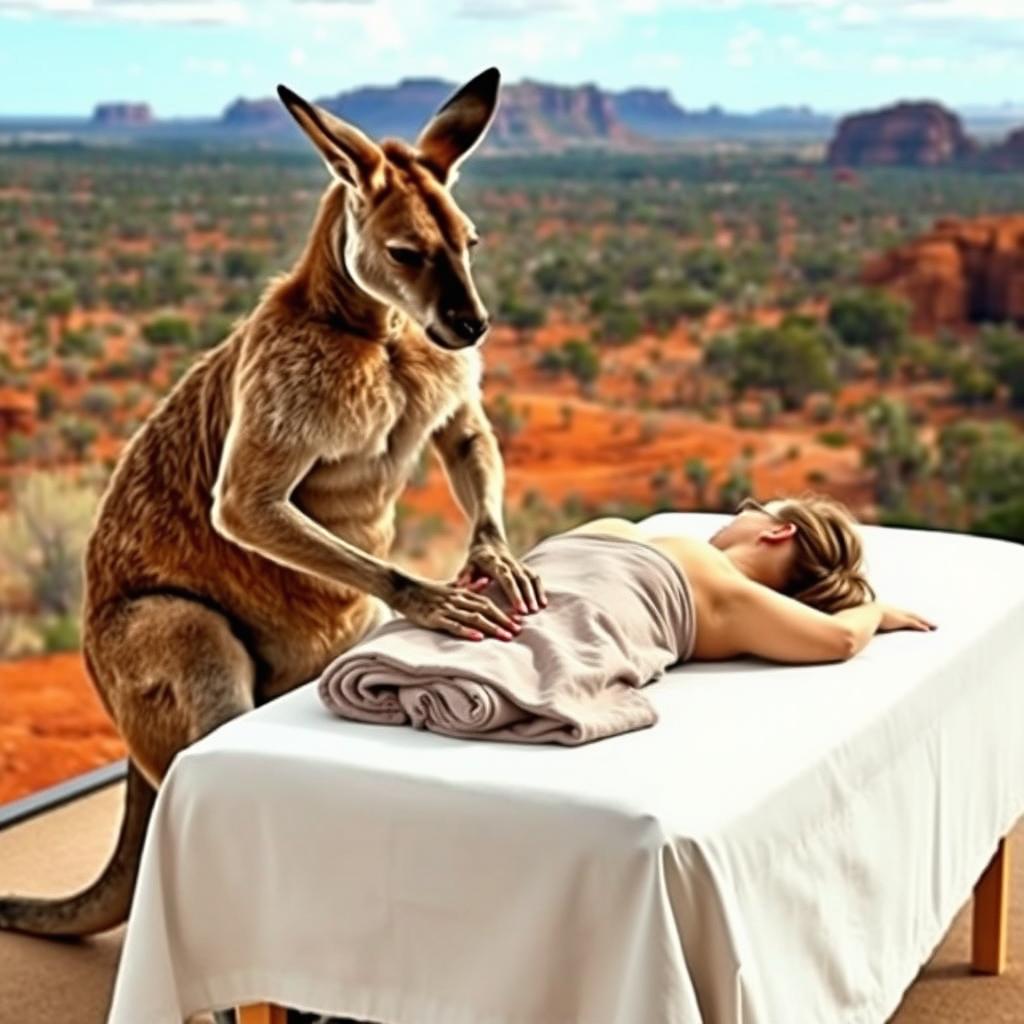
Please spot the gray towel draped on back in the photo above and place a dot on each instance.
(619, 613)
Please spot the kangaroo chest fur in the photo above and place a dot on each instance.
(403, 395)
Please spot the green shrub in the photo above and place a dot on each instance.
(61, 634)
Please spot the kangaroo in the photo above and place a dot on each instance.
(242, 541)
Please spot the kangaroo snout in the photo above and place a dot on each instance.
(469, 327)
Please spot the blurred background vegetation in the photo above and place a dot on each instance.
(639, 300)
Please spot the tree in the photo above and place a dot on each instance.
(982, 465)
(895, 451)
(771, 406)
(620, 325)
(874, 321)
(169, 277)
(142, 361)
(708, 269)
(698, 475)
(168, 330)
(736, 486)
(506, 420)
(42, 539)
(47, 401)
(80, 343)
(99, 402)
(820, 264)
(793, 359)
(78, 436)
(1003, 348)
(523, 316)
(243, 263)
(582, 361)
(1005, 521)
(972, 384)
(59, 303)
(214, 328)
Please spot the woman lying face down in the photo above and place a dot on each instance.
(782, 581)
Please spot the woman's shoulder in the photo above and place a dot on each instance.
(706, 566)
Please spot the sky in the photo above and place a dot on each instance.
(192, 57)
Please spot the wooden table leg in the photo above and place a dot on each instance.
(991, 903)
(262, 1013)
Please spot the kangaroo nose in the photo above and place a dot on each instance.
(469, 328)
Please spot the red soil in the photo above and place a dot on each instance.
(52, 724)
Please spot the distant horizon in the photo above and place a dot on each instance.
(1007, 108)
(189, 59)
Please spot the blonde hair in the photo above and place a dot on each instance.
(828, 558)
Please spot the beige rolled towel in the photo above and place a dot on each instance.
(619, 613)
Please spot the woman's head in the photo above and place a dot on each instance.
(806, 547)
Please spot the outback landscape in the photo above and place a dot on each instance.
(674, 328)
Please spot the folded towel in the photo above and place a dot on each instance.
(619, 613)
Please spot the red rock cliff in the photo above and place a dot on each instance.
(905, 134)
(1009, 154)
(961, 271)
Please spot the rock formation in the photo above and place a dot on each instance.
(245, 113)
(906, 135)
(1009, 154)
(129, 115)
(548, 116)
(962, 271)
(531, 115)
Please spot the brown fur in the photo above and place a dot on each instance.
(246, 528)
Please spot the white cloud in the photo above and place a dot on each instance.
(858, 14)
(502, 9)
(804, 56)
(978, 64)
(211, 12)
(531, 46)
(863, 12)
(384, 24)
(739, 49)
(297, 57)
(993, 10)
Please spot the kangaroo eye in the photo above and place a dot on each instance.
(473, 241)
(405, 256)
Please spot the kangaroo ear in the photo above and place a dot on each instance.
(349, 154)
(457, 128)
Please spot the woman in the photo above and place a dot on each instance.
(783, 581)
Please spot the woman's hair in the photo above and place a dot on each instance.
(827, 571)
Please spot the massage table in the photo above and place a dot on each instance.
(787, 845)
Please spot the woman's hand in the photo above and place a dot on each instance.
(896, 618)
(493, 560)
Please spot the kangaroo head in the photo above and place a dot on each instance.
(400, 235)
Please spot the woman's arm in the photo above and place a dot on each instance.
(863, 620)
(765, 623)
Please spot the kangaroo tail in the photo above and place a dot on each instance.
(106, 902)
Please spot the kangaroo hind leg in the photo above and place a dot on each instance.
(172, 671)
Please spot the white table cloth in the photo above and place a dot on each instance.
(787, 845)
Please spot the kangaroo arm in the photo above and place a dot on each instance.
(251, 508)
(472, 460)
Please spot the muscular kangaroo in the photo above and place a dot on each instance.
(242, 541)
